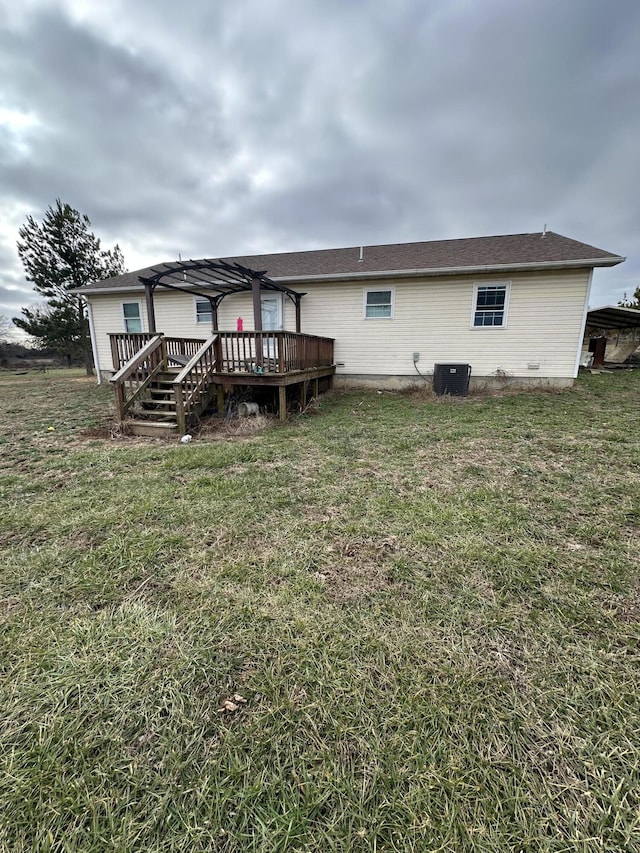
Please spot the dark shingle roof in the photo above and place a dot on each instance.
(473, 254)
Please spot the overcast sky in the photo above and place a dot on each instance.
(222, 127)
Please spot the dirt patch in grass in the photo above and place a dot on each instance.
(118, 436)
(103, 432)
(626, 610)
(352, 569)
(353, 580)
(9, 607)
(211, 428)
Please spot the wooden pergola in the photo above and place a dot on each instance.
(213, 280)
(170, 397)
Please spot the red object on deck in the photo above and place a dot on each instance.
(239, 324)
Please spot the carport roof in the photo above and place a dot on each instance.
(614, 317)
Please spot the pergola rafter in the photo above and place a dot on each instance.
(213, 279)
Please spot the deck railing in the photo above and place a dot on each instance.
(240, 352)
(125, 345)
(273, 352)
(192, 384)
(133, 378)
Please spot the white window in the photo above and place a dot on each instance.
(490, 303)
(132, 316)
(378, 303)
(204, 314)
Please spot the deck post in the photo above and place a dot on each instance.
(257, 319)
(115, 357)
(298, 320)
(257, 305)
(316, 386)
(180, 415)
(151, 314)
(282, 402)
(218, 354)
(220, 399)
(281, 352)
(120, 402)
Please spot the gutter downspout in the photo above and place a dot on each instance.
(583, 324)
(94, 345)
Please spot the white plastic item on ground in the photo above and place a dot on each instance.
(186, 439)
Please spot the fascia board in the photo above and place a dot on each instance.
(96, 291)
(475, 270)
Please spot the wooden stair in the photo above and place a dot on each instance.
(155, 415)
(156, 397)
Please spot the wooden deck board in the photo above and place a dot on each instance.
(292, 377)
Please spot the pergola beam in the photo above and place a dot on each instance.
(202, 278)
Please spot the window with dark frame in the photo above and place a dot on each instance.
(204, 314)
(132, 318)
(490, 307)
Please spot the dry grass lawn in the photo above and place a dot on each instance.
(396, 624)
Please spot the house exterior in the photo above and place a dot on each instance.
(510, 306)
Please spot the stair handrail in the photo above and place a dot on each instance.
(134, 363)
(188, 397)
(186, 370)
(118, 380)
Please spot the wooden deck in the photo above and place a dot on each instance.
(172, 380)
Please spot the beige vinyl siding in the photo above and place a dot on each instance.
(432, 316)
(241, 305)
(176, 314)
(108, 317)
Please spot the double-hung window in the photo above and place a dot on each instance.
(132, 316)
(378, 303)
(204, 314)
(490, 305)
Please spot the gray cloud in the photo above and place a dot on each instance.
(228, 128)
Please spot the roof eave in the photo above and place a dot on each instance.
(586, 263)
(581, 263)
(89, 290)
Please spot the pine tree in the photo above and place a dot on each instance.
(58, 256)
